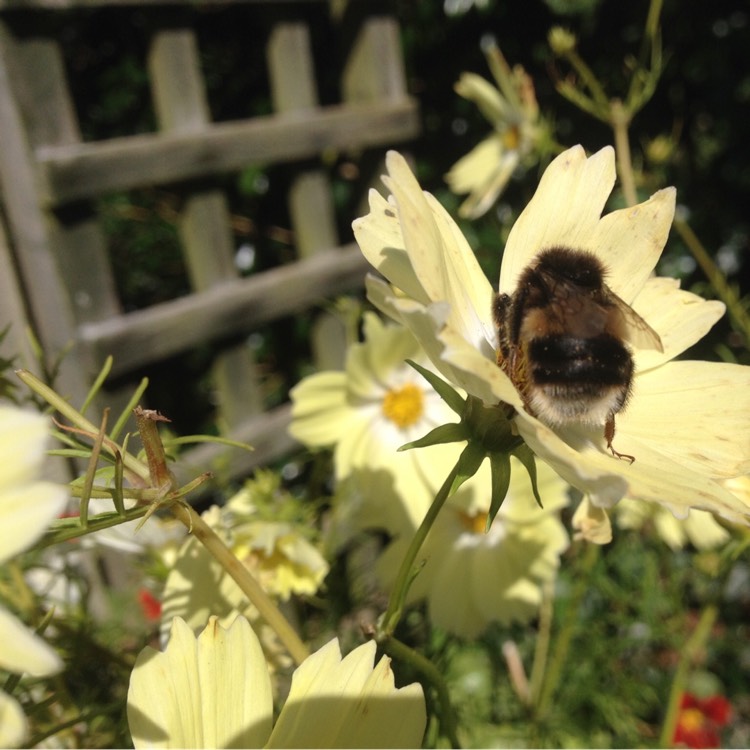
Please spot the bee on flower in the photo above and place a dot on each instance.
(683, 422)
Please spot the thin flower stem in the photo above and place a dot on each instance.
(244, 579)
(716, 278)
(541, 650)
(568, 630)
(392, 615)
(395, 648)
(194, 523)
(589, 79)
(620, 121)
(75, 417)
(695, 643)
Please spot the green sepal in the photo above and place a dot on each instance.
(500, 468)
(451, 397)
(452, 432)
(468, 464)
(526, 456)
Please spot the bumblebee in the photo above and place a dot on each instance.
(563, 339)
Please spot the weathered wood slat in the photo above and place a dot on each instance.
(86, 170)
(233, 307)
(181, 106)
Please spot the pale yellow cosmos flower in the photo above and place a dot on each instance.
(26, 508)
(471, 577)
(686, 423)
(519, 134)
(366, 413)
(215, 691)
(277, 553)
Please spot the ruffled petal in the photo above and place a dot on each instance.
(565, 210)
(210, 691)
(13, 724)
(320, 414)
(335, 702)
(21, 651)
(630, 241)
(680, 318)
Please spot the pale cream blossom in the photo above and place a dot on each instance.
(215, 691)
(686, 423)
(366, 413)
(519, 135)
(278, 553)
(471, 576)
(27, 506)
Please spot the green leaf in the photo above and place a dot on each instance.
(451, 397)
(468, 464)
(445, 433)
(500, 467)
(526, 456)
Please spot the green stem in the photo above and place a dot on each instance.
(620, 121)
(716, 278)
(398, 650)
(693, 646)
(589, 79)
(554, 672)
(75, 417)
(244, 579)
(541, 650)
(194, 523)
(392, 615)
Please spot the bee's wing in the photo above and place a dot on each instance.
(639, 332)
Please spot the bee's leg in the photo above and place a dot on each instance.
(609, 436)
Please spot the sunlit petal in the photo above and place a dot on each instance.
(210, 691)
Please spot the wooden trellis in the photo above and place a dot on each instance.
(56, 267)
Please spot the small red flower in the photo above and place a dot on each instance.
(700, 721)
(150, 605)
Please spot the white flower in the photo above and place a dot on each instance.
(471, 577)
(366, 413)
(519, 134)
(686, 422)
(277, 553)
(215, 691)
(26, 508)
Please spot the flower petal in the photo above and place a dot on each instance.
(696, 413)
(319, 412)
(346, 703)
(380, 238)
(13, 724)
(564, 211)
(23, 435)
(213, 691)
(630, 241)
(592, 523)
(680, 318)
(25, 513)
(22, 651)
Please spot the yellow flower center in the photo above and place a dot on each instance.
(404, 406)
(691, 719)
(512, 138)
(474, 523)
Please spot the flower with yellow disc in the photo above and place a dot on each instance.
(686, 422)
